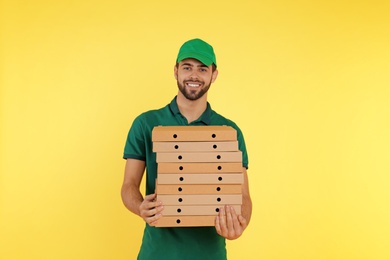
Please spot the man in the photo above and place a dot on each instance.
(195, 70)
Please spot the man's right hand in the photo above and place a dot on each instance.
(150, 209)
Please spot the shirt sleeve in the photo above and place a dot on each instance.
(135, 142)
(242, 147)
(241, 144)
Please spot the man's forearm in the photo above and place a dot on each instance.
(132, 199)
(246, 210)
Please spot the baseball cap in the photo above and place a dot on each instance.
(197, 49)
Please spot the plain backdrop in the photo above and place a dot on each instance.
(307, 82)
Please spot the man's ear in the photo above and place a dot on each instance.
(214, 76)
(175, 71)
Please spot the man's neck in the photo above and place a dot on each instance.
(191, 109)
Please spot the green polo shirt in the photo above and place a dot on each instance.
(198, 243)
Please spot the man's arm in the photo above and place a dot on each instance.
(147, 208)
(246, 199)
(230, 225)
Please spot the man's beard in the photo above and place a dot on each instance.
(193, 95)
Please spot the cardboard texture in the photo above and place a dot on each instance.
(200, 167)
(198, 189)
(199, 170)
(228, 178)
(186, 221)
(197, 210)
(193, 133)
(202, 199)
(200, 157)
(195, 146)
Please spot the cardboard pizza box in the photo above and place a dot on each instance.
(231, 146)
(198, 189)
(193, 133)
(235, 167)
(195, 210)
(200, 157)
(186, 221)
(219, 199)
(227, 178)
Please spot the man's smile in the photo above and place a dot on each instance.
(193, 84)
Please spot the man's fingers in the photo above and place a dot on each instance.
(229, 219)
(150, 208)
(236, 222)
(155, 210)
(153, 220)
(222, 221)
(150, 202)
(150, 197)
(217, 225)
(228, 224)
(153, 215)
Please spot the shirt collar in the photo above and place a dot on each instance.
(205, 117)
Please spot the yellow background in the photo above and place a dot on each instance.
(307, 81)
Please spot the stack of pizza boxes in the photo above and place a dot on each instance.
(199, 170)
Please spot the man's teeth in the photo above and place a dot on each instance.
(193, 85)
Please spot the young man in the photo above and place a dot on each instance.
(195, 70)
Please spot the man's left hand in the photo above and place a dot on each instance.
(228, 224)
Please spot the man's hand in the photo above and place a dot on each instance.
(150, 209)
(228, 224)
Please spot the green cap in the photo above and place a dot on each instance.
(197, 49)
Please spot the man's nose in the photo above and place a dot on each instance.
(194, 75)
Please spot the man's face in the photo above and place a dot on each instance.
(194, 78)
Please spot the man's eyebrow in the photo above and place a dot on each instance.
(191, 65)
(186, 64)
